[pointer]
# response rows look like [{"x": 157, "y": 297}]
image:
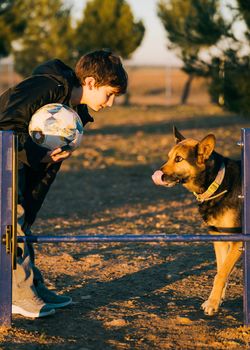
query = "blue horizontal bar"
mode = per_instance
[{"x": 135, "y": 238}]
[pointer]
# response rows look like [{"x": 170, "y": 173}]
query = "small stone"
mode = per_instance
[
  {"x": 116, "y": 323},
  {"x": 183, "y": 320}
]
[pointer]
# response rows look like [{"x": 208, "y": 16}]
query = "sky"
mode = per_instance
[{"x": 153, "y": 49}]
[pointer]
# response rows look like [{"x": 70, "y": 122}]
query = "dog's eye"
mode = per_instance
[{"x": 178, "y": 159}]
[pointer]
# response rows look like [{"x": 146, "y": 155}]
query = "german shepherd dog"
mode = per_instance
[{"x": 216, "y": 183}]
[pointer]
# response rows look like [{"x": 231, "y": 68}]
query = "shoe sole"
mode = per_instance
[
  {"x": 59, "y": 305},
  {"x": 18, "y": 310}
]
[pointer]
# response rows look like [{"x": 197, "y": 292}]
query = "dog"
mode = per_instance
[{"x": 215, "y": 181}]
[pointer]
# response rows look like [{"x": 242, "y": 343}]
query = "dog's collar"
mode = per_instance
[{"x": 207, "y": 195}]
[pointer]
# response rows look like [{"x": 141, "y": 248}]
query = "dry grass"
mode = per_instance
[
  {"x": 7, "y": 77},
  {"x": 163, "y": 86}
]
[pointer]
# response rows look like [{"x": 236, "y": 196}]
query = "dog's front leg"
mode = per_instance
[
  {"x": 211, "y": 305},
  {"x": 221, "y": 251}
]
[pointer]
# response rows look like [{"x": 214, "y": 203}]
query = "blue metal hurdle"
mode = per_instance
[{"x": 9, "y": 239}]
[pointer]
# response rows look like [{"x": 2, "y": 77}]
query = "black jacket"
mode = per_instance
[{"x": 51, "y": 82}]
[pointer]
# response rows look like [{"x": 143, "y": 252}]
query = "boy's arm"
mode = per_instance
[{"x": 17, "y": 108}]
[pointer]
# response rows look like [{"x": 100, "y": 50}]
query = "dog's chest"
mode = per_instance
[{"x": 221, "y": 218}]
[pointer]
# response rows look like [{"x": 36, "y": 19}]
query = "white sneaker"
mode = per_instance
[{"x": 33, "y": 308}]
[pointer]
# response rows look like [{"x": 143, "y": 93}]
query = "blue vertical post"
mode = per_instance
[
  {"x": 7, "y": 220},
  {"x": 245, "y": 137}
]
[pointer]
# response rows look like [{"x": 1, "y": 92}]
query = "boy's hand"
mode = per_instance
[{"x": 57, "y": 155}]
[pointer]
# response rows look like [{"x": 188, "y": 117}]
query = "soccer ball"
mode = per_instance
[{"x": 56, "y": 125}]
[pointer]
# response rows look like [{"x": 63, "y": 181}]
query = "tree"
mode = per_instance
[
  {"x": 5, "y": 5},
  {"x": 109, "y": 24},
  {"x": 230, "y": 80},
  {"x": 192, "y": 26},
  {"x": 48, "y": 34},
  {"x": 230, "y": 73},
  {"x": 244, "y": 10},
  {"x": 12, "y": 25}
]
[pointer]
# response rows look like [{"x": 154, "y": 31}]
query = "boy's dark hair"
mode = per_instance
[{"x": 105, "y": 67}]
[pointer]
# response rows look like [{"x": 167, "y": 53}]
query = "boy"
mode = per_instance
[{"x": 98, "y": 78}]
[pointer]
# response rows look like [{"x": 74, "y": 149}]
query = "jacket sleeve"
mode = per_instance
[
  {"x": 22, "y": 102},
  {"x": 29, "y": 152}
]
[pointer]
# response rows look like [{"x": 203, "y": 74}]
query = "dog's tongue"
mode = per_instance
[{"x": 157, "y": 177}]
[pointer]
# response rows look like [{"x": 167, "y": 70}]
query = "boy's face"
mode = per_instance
[{"x": 98, "y": 97}]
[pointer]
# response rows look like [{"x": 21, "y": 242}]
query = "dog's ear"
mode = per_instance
[
  {"x": 177, "y": 135},
  {"x": 205, "y": 148}
]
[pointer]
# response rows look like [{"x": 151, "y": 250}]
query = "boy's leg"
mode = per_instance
[
  {"x": 25, "y": 300},
  {"x": 48, "y": 296}
]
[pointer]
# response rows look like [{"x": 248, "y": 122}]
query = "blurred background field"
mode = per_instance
[
  {"x": 148, "y": 85},
  {"x": 8, "y": 76},
  {"x": 163, "y": 86},
  {"x": 203, "y": 38}
]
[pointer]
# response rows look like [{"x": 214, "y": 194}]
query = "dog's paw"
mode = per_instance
[{"x": 210, "y": 307}]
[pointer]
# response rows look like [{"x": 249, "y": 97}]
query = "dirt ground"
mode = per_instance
[{"x": 133, "y": 296}]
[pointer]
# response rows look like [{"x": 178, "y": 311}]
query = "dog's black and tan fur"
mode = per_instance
[{"x": 195, "y": 165}]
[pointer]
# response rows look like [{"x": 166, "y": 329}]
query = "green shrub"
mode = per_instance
[{"x": 230, "y": 82}]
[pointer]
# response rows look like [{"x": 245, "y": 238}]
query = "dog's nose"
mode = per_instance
[{"x": 157, "y": 177}]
